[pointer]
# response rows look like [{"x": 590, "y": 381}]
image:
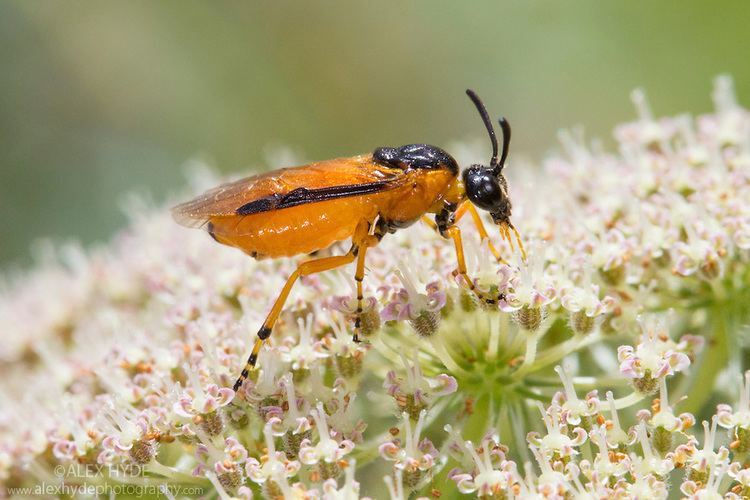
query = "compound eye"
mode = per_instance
[{"x": 482, "y": 188}]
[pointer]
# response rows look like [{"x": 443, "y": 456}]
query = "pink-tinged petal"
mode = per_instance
[
  {"x": 538, "y": 299},
  {"x": 273, "y": 412},
  {"x": 427, "y": 448},
  {"x": 183, "y": 408},
  {"x": 630, "y": 368},
  {"x": 277, "y": 426},
  {"x": 580, "y": 436},
  {"x": 389, "y": 451},
  {"x": 343, "y": 304},
  {"x": 692, "y": 343},
  {"x": 624, "y": 352},
  {"x": 106, "y": 457},
  {"x": 122, "y": 447},
  {"x": 437, "y": 301},
  {"x": 507, "y": 307},
  {"x": 345, "y": 447},
  {"x": 226, "y": 395},
  {"x": 663, "y": 370},
  {"x": 534, "y": 438},
  {"x": 506, "y": 274},
  {"x": 465, "y": 483},
  {"x": 308, "y": 455},
  {"x": 595, "y": 310},
  {"x": 292, "y": 468},
  {"x": 407, "y": 313},
  {"x": 391, "y": 312},
  {"x": 64, "y": 450},
  {"x": 685, "y": 266},
  {"x": 221, "y": 468},
  {"x": 109, "y": 443},
  {"x": 201, "y": 452},
  {"x": 678, "y": 361},
  {"x": 303, "y": 425},
  {"x": 426, "y": 463},
  {"x": 569, "y": 302},
  {"x": 725, "y": 416},
  {"x": 210, "y": 405},
  {"x": 643, "y": 415},
  {"x": 245, "y": 493}
]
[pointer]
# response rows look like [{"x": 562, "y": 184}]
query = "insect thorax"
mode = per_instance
[{"x": 415, "y": 156}]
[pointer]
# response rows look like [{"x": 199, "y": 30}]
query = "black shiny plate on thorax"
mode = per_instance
[{"x": 415, "y": 156}]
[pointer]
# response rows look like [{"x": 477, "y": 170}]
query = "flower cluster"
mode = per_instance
[{"x": 620, "y": 332}]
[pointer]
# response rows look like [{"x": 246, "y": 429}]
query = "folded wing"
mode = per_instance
[{"x": 289, "y": 187}]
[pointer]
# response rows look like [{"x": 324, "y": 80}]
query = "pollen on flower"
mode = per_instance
[{"x": 122, "y": 358}]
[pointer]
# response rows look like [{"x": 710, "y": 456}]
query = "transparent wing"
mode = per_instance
[{"x": 289, "y": 187}]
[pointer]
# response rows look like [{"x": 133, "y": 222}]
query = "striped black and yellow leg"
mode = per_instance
[
  {"x": 304, "y": 269},
  {"x": 454, "y": 233}
]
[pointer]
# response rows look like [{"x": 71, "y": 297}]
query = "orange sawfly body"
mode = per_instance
[{"x": 304, "y": 209}]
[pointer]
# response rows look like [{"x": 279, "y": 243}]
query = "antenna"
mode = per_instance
[
  {"x": 488, "y": 124},
  {"x": 505, "y": 127}
]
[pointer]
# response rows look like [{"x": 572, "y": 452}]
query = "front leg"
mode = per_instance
[
  {"x": 445, "y": 224},
  {"x": 454, "y": 233}
]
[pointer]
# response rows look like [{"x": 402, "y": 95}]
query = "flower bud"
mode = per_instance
[
  {"x": 328, "y": 470},
  {"x": 661, "y": 439},
  {"x": 646, "y": 385},
  {"x": 238, "y": 417},
  {"x": 142, "y": 452},
  {"x": 271, "y": 489},
  {"x": 349, "y": 365},
  {"x": 211, "y": 423},
  {"x": 582, "y": 323},
  {"x": 613, "y": 276},
  {"x": 529, "y": 318},
  {"x": 292, "y": 443},
  {"x": 426, "y": 323},
  {"x": 743, "y": 440},
  {"x": 369, "y": 322},
  {"x": 231, "y": 480},
  {"x": 467, "y": 300}
]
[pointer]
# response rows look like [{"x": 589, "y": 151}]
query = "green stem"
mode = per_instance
[
  {"x": 556, "y": 353},
  {"x": 713, "y": 361}
]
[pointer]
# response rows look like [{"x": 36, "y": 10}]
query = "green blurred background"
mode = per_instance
[{"x": 98, "y": 99}]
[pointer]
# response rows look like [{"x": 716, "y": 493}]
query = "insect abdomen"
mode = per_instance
[{"x": 297, "y": 230}]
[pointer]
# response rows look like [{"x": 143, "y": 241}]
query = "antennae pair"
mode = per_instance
[{"x": 497, "y": 166}]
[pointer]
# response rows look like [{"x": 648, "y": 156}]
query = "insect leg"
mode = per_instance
[
  {"x": 364, "y": 244},
  {"x": 454, "y": 233},
  {"x": 304, "y": 269},
  {"x": 467, "y": 206},
  {"x": 359, "y": 276},
  {"x": 367, "y": 234},
  {"x": 429, "y": 222}
]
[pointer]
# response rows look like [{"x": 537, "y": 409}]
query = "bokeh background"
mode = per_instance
[{"x": 98, "y": 99}]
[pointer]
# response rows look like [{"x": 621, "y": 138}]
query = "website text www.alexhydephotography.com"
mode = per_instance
[
  {"x": 89, "y": 480},
  {"x": 89, "y": 489}
]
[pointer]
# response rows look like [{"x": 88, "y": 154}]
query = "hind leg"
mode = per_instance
[
  {"x": 360, "y": 242},
  {"x": 304, "y": 269}
]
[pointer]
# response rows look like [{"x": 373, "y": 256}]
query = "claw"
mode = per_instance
[
  {"x": 505, "y": 228},
  {"x": 520, "y": 242}
]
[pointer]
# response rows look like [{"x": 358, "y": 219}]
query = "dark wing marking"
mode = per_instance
[
  {"x": 289, "y": 187},
  {"x": 302, "y": 195}
]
